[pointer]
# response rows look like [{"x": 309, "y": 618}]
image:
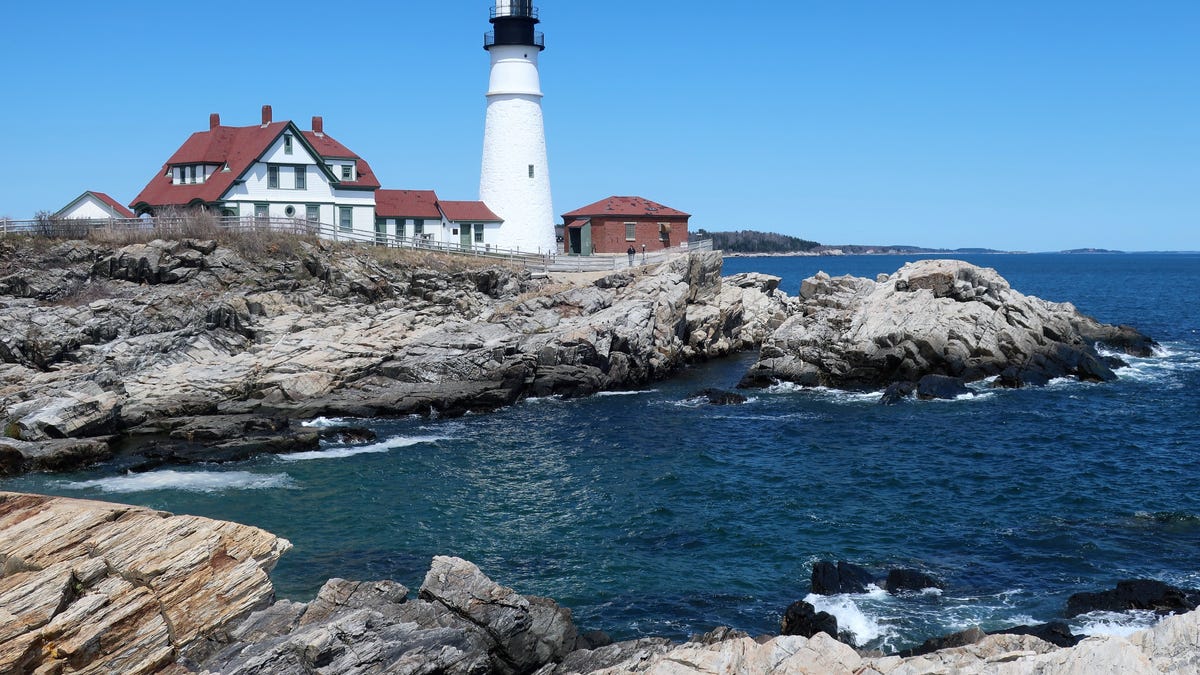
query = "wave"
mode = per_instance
[
  {"x": 187, "y": 481},
  {"x": 342, "y": 452},
  {"x": 625, "y": 393},
  {"x": 324, "y": 422},
  {"x": 1117, "y": 624},
  {"x": 850, "y": 617}
]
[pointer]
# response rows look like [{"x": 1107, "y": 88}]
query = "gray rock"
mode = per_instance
[{"x": 933, "y": 317}]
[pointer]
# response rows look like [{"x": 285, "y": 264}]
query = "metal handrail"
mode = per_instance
[
  {"x": 514, "y": 9},
  {"x": 539, "y": 39}
]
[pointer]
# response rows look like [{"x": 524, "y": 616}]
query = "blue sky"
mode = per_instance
[{"x": 1023, "y": 125}]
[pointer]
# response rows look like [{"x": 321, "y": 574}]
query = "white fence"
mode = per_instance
[{"x": 186, "y": 225}]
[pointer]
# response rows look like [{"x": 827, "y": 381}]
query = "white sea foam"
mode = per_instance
[
  {"x": 187, "y": 481},
  {"x": 344, "y": 451},
  {"x": 626, "y": 393},
  {"x": 324, "y": 422},
  {"x": 1118, "y": 624},
  {"x": 542, "y": 399},
  {"x": 850, "y": 617}
]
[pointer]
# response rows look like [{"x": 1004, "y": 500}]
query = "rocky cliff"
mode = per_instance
[
  {"x": 87, "y": 587},
  {"x": 134, "y": 343}
]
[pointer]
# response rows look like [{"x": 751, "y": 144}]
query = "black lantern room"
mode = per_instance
[{"x": 513, "y": 23}]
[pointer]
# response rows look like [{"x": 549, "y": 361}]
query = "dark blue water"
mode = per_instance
[{"x": 650, "y": 515}]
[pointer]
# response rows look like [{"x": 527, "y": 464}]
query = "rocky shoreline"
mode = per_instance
[
  {"x": 184, "y": 351},
  {"x": 177, "y": 352},
  {"x": 93, "y": 587}
]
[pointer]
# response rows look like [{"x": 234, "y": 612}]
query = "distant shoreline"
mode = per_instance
[{"x": 839, "y": 253}]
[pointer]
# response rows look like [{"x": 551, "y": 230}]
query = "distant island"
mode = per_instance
[{"x": 752, "y": 243}]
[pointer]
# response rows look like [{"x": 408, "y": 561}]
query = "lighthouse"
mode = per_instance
[{"x": 515, "y": 178}]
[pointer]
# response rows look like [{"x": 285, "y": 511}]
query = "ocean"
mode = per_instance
[{"x": 648, "y": 513}]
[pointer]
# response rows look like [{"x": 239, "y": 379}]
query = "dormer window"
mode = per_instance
[
  {"x": 347, "y": 172},
  {"x": 287, "y": 144}
]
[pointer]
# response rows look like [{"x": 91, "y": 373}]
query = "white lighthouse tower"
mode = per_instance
[{"x": 515, "y": 180}]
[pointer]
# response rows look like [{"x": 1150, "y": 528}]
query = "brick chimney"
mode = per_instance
[
  {"x": 214, "y": 120},
  {"x": 318, "y": 125},
  {"x": 266, "y": 115}
]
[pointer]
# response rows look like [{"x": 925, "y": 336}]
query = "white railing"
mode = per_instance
[{"x": 188, "y": 225}]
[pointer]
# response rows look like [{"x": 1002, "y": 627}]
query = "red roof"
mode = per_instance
[
  {"x": 237, "y": 148},
  {"x": 407, "y": 204},
  {"x": 578, "y": 222},
  {"x": 625, "y": 206},
  {"x": 116, "y": 206},
  {"x": 118, "y": 209},
  {"x": 327, "y": 147},
  {"x": 469, "y": 212}
]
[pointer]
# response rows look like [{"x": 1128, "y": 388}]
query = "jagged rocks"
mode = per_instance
[
  {"x": 933, "y": 317},
  {"x": 462, "y": 623},
  {"x": 96, "y": 587}
]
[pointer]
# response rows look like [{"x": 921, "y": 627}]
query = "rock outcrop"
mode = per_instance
[
  {"x": 139, "y": 340},
  {"x": 91, "y": 587},
  {"x": 934, "y": 317}
]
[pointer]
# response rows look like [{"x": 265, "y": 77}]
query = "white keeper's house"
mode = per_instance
[{"x": 277, "y": 170}]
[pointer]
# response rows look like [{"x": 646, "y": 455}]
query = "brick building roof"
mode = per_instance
[{"x": 625, "y": 206}]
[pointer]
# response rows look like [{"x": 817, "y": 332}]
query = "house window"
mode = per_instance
[
  {"x": 289, "y": 211},
  {"x": 479, "y": 233},
  {"x": 630, "y": 231},
  {"x": 531, "y": 171},
  {"x": 287, "y": 144},
  {"x": 347, "y": 172},
  {"x": 191, "y": 174},
  {"x": 345, "y": 218},
  {"x": 260, "y": 211},
  {"x": 400, "y": 227},
  {"x": 312, "y": 213},
  {"x": 301, "y": 177},
  {"x": 418, "y": 227},
  {"x": 272, "y": 177}
]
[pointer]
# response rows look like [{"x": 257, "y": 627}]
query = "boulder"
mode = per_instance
[
  {"x": 1144, "y": 594},
  {"x": 801, "y": 618},
  {"x": 718, "y": 397},
  {"x": 941, "y": 387},
  {"x": 897, "y": 392},
  {"x": 1057, "y": 633},
  {"x": 527, "y": 632},
  {"x": 831, "y": 579},
  {"x": 909, "y": 581},
  {"x": 960, "y": 639},
  {"x": 60, "y": 455}
]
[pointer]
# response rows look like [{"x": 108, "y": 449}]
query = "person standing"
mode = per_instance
[{"x": 632, "y": 254}]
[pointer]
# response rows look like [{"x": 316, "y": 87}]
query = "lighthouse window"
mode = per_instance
[{"x": 531, "y": 171}]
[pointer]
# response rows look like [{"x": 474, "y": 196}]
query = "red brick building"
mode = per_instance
[{"x": 613, "y": 225}]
